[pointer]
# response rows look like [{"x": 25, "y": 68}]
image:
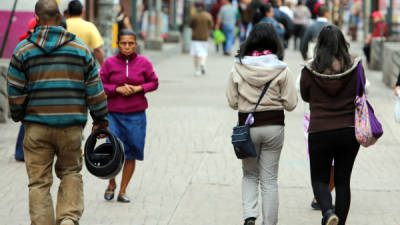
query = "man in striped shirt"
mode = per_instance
[{"x": 52, "y": 80}]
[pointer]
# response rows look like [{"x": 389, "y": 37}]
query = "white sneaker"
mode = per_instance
[{"x": 197, "y": 73}]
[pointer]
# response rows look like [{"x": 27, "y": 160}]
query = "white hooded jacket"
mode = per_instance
[{"x": 247, "y": 80}]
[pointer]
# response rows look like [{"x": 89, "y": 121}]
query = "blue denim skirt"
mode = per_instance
[{"x": 130, "y": 128}]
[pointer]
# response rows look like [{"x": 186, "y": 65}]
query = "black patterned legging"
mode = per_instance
[{"x": 342, "y": 146}]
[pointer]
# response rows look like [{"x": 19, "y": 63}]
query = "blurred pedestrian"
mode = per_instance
[
  {"x": 284, "y": 19},
  {"x": 301, "y": 19},
  {"x": 122, "y": 19},
  {"x": 259, "y": 62},
  {"x": 269, "y": 18},
  {"x": 337, "y": 15},
  {"x": 208, "y": 5},
  {"x": 215, "y": 8},
  {"x": 287, "y": 9},
  {"x": 355, "y": 16},
  {"x": 312, "y": 32},
  {"x": 19, "y": 150},
  {"x": 311, "y": 5},
  {"x": 127, "y": 77},
  {"x": 85, "y": 30},
  {"x": 328, "y": 84},
  {"x": 52, "y": 80},
  {"x": 380, "y": 30},
  {"x": 245, "y": 19},
  {"x": 31, "y": 28},
  {"x": 201, "y": 24},
  {"x": 306, "y": 125},
  {"x": 226, "y": 21}
]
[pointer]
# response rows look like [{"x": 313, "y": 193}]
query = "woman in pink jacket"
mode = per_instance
[{"x": 127, "y": 77}]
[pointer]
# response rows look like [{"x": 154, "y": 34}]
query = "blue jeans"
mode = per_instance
[
  {"x": 244, "y": 30},
  {"x": 229, "y": 32},
  {"x": 19, "y": 151}
]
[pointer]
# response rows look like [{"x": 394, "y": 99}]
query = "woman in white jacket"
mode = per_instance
[{"x": 258, "y": 62}]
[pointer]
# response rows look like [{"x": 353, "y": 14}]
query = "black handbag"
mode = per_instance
[{"x": 241, "y": 140}]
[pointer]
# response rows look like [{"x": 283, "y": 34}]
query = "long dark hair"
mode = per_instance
[
  {"x": 262, "y": 37},
  {"x": 331, "y": 45}
]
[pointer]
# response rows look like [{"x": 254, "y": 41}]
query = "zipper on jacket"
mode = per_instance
[{"x": 127, "y": 67}]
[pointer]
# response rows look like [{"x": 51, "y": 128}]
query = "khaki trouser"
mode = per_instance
[
  {"x": 41, "y": 144},
  {"x": 263, "y": 171}
]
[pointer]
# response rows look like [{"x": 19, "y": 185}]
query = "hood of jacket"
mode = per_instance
[
  {"x": 50, "y": 38},
  {"x": 332, "y": 83},
  {"x": 258, "y": 70}
]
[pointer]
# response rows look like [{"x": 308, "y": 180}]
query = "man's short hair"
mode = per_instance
[
  {"x": 47, "y": 10},
  {"x": 275, "y": 3},
  {"x": 75, "y": 8},
  {"x": 268, "y": 7},
  {"x": 200, "y": 4},
  {"x": 322, "y": 10}
]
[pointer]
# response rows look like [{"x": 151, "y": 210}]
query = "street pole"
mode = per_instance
[
  {"x": 154, "y": 40},
  {"x": 174, "y": 15},
  {"x": 150, "y": 11},
  {"x": 187, "y": 32},
  {"x": 158, "y": 18},
  {"x": 133, "y": 15},
  {"x": 134, "y": 24},
  {"x": 106, "y": 17},
  {"x": 389, "y": 16},
  {"x": 173, "y": 33}
]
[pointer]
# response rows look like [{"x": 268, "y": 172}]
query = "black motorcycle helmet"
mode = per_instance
[{"x": 106, "y": 160}]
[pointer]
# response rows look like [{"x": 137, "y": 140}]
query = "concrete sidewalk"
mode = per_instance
[{"x": 190, "y": 175}]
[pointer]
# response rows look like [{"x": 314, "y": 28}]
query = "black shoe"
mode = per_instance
[
  {"x": 315, "y": 205},
  {"x": 20, "y": 159},
  {"x": 203, "y": 69},
  {"x": 109, "y": 194},
  {"x": 250, "y": 221},
  {"x": 330, "y": 218},
  {"x": 123, "y": 198}
]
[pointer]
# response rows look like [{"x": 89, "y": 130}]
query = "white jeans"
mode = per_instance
[{"x": 263, "y": 170}]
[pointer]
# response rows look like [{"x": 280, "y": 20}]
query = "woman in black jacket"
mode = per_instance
[{"x": 328, "y": 83}]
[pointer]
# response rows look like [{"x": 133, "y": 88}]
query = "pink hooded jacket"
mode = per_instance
[{"x": 135, "y": 70}]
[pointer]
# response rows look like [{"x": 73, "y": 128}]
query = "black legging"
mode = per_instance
[
  {"x": 342, "y": 146},
  {"x": 367, "y": 51},
  {"x": 298, "y": 32}
]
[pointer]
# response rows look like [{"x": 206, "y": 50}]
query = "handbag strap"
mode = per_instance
[
  {"x": 360, "y": 80},
  {"x": 262, "y": 94}
]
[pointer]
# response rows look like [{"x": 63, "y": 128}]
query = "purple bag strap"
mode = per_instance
[{"x": 360, "y": 80}]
